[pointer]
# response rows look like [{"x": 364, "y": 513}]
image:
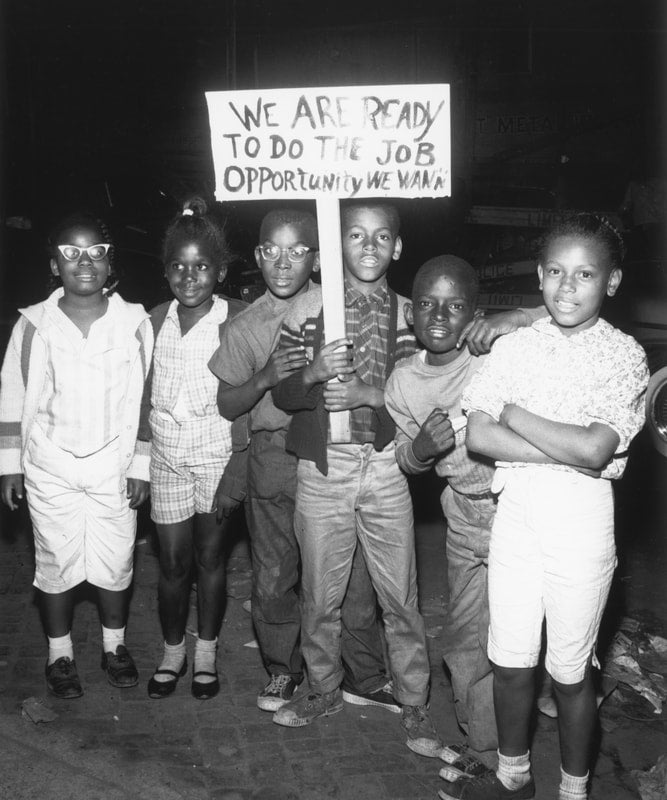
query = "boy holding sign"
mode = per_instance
[
  {"x": 249, "y": 364},
  {"x": 354, "y": 494}
]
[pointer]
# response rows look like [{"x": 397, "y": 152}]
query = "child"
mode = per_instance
[
  {"x": 249, "y": 364},
  {"x": 72, "y": 382},
  {"x": 191, "y": 446},
  {"x": 350, "y": 493},
  {"x": 423, "y": 395},
  {"x": 557, "y": 405}
]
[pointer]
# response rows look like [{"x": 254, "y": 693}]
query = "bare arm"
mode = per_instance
[
  {"x": 236, "y": 400},
  {"x": 489, "y": 438},
  {"x": 481, "y": 332},
  {"x": 590, "y": 446}
]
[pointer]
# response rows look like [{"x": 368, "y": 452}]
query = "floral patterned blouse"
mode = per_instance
[{"x": 597, "y": 375}]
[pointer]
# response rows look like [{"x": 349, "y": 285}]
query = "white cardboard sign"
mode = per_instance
[{"x": 345, "y": 142}]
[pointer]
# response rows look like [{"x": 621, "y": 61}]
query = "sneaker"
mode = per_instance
[
  {"x": 120, "y": 669},
  {"x": 422, "y": 736},
  {"x": 308, "y": 707},
  {"x": 485, "y": 787},
  {"x": 460, "y": 762},
  {"x": 382, "y": 698},
  {"x": 276, "y": 693},
  {"x": 62, "y": 679}
]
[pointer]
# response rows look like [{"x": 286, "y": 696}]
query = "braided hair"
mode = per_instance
[
  {"x": 590, "y": 226},
  {"x": 199, "y": 222},
  {"x": 82, "y": 219}
]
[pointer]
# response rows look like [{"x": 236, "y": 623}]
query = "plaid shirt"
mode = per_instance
[
  {"x": 367, "y": 325},
  {"x": 185, "y": 421}
]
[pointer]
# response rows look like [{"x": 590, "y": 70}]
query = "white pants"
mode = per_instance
[
  {"x": 83, "y": 525},
  {"x": 552, "y": 554}
]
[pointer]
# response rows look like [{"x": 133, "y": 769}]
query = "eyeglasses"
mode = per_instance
[
  {"x": 271, "y": 252},
  {"x": 96, "y": 252}
]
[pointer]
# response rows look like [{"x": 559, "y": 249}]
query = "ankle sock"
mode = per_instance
[
  {"x": 205, "y": 654},
  {"x": 174, "y": 656},
  {"x": 111, "y": 638},
  {"x": 59, "y": 647},
  {"x": 572, "y": 787},
  {"x": 513, "y": 771}
]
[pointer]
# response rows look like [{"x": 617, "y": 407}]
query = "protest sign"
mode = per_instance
[
  {"x": 350, "y": 141},
  {"x": 328, "y": 144}
]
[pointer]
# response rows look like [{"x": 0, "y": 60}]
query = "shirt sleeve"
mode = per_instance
[
  {"x": 12, "y": 396},
  {"x": 234, "y": 361},
  {"x": 489, "y": 389},
  {"x": 620, "y": 402},
  {"x": 407, "y": 428}
]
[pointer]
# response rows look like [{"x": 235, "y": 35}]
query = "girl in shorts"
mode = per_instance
[
  {"x": 192, "y": 444},
  {"x": 72, "y": 383},
  {"x": 556, "y": 405}
]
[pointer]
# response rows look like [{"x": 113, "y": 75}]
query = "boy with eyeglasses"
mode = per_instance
[{"x": 249, "y": 363}]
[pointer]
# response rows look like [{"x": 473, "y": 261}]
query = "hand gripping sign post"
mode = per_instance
[{"x": 328, "y": 144}]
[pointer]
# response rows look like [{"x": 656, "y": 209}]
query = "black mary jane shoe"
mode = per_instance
[
  {"x": 205, "y": 691},
  {"x": 159, "y": 689}
]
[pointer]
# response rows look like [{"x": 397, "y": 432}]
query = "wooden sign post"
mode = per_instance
[{"x": 328, "y": 144}]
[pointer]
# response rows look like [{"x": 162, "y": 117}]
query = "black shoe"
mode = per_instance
[
  {"x": 159, "y": 689},
  {"x": 62, "y": 679},
  {"x": 277, "y": 692},
  {"x": 120, "y": 669},
  {"x": 381, "y": 698},
  {"x": 207, "y": 690}
]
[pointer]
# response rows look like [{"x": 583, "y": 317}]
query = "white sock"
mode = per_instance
[
  {"x": 111, "y": 638},
  {"x": 173, "y": 659},
  {"x": 572, "y": 787},
  {"x": 59, "y": 647},
  {"x": 205, "y": 653},
  {"x": 513, "y": 771}
]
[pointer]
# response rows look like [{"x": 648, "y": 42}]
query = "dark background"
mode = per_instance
[{"x": 103, "y": 107}]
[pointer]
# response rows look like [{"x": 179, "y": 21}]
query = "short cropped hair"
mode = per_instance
[
  {"x": 303, "y": 221},
  {"x": 391, "y": 212},
  {"x": 453, "y": 266},
  {"x": 589, "y": 226}
]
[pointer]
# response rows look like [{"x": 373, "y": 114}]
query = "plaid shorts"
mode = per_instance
[{"x": 186, "y": 467}]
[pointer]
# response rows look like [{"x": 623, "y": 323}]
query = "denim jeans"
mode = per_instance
[
  {"x": 467, "y": 621},
  {"x": 276, "y": 574},
  {"x": 364, "y": 499}
]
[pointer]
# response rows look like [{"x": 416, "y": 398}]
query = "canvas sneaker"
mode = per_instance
[
  {"x": 382, "y": 698},
  {"x": 422, "y": 736},
  {"x": 460, "y": 762},
  {"x": 276, "y": 693},
  {"x": 303, "y": 710}
]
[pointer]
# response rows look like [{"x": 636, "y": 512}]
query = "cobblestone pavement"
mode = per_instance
[{"x": 120, "y": 745}]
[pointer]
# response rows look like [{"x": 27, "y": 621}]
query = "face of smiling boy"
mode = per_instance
[
  {"x": 369, "y": 246},
  {"x": 441, "y": 307},
  {"x": 575, "y": 278}
]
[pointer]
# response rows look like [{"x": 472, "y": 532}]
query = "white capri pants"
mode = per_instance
[
  {"x": 82, "y": 522},
  {"x": 552, "y": 554}
]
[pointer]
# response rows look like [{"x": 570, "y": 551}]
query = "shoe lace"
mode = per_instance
[{"x": 277, "y": 684}]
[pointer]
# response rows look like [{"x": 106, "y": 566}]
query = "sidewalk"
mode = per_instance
[{"x": 120, "y": 745}]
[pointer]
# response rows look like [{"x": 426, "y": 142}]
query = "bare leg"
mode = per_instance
[
  {"x": 113, "y": 607},
  {"x": 513, "y": 695},
  {"x": 175, "y": 578},
  {"x": 210, "y": 540},
  {"x": 577, "y": 713},
  {"x": 57, "y": 611}
]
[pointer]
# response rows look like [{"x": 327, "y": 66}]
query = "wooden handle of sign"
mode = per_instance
[{"x": 333, "y": 294}]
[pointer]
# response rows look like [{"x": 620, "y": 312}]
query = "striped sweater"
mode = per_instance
[{"x": 303, "y": 325}]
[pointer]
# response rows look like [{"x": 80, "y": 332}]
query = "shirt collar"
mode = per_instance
[
  {"x": 215, "y": 315},
  {"x": 378, "y": 297}
]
